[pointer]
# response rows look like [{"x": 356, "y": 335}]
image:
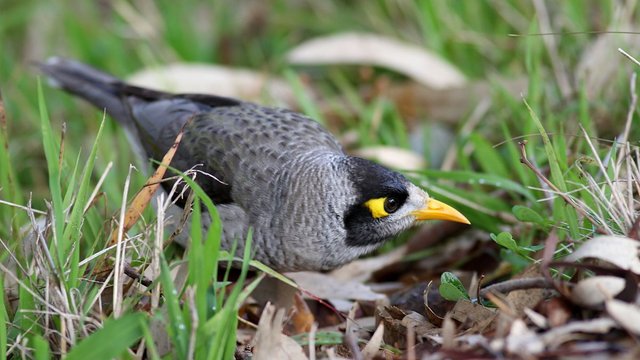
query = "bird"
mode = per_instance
[{"x": 310, "y": 206}]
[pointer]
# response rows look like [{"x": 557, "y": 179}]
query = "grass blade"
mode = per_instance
[
  {"x": 111, "y": 340},
  {"x": 177, "y": 326},
  {"x": 3, "y": 322},
  {"x": 51, "y": 151},
  {"x": 40, "y": 347},
  {"x": 73, "y": 230},
  {"x": 561, "y": 211},
  {"x": 474, "y": 178}
]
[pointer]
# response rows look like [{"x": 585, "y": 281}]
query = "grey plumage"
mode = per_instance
[{"x": 280, "y": 172}]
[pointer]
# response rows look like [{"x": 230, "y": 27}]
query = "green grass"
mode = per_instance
[{"x": 56, "y": 171}]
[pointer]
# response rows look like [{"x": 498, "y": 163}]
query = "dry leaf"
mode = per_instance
[
  {"x": 625, "y": 314},
  {"x": 562, "y": 334},
  {"x": 270, "y": 342},
  {"x": 276, "y": 292},
  {"x": 142, "y": 198},
  {"x": 393, "y": 157},
  {"x": 216, "y": 80},
  {"x": 395, "y": 329},
  {"x": 328, "y": 287},
  {"x": 536, "y": 318},
  {"x": 414, "y": 319},
  {"x": 617, "y": 250},
  {"x": 371, "y": 49},
  {"x": 371, "y": 349},
  {"x": 448, "y": 332},
  {"x": 139, "y": 203},
  {"x": 361, "y": 270},
  {"x": 522, "y": 299},
  {"x": 595, "y": 291},
  {"x": 418, "y": 329},
  {"x": 472, "y": 315},
  {"x": 522, "y": 340}
]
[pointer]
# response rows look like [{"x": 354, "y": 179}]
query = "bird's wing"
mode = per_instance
[
  {"x": 244, "y": 146},
  {"x": 241, "y": 144}
]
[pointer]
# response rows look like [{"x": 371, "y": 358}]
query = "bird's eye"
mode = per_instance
[{"x": 391, "y": 205}]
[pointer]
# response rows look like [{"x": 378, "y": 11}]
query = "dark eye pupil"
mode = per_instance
[{"x": 390, "y": 205}]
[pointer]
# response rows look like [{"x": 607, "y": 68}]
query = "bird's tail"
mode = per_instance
[{"x": 100, "y": 89}]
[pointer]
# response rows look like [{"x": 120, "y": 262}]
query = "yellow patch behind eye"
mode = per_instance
[{"x": 376, "y": 206}]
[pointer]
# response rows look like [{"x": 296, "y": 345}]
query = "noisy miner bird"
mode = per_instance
[{"x": 280, "y": 173}]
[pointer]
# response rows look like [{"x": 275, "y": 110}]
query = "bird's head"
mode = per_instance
[{"x": 387, "y": 204}]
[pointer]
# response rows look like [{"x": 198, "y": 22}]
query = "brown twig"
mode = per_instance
[
  {"x": 517, "y": 284},
  {"x": 133, "y": 273}
]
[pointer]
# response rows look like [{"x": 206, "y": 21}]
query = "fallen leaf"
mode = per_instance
[
  {"x": 370, "y": 49},
  {"x": 536, "y": 318},
  {"x": 522, "y": 299},
  {"x": 625, "y": 314},
  {"x": 143, "y": 197},
  {"x": 562, "y": 334},
  {"x": 418, "y": 327},
  {"x": 413, "y": 319},
  {"x": 393, "y": 157},
  {"x": 138, "y": 205},
  {"x": 522, "y": 340},
  {"x": 361, "y": 270},
  {"x": 472, "y": 315},
  {"x": 270, "y": 342},
  {"x": 216, "y": 80},
  {"x": 596, "y": 290},
  {"x": 373, "y": 346},
  {"x": 448, "y": 332},
  {"x": 327, "y": 287},
  {"x": 395, "y": 330},
  {"x": 276, "y": 292},
  {"x": 617, "y": 250}
]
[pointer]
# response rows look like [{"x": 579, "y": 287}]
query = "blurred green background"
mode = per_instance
[{"x": 485, "y": 40}]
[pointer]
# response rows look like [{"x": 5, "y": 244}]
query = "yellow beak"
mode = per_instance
[{"x": 437, "y": 210}]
